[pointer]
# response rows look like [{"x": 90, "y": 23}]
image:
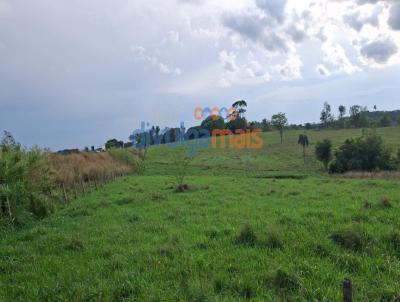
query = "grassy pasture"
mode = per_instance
[{"x": 255, "y": 225}]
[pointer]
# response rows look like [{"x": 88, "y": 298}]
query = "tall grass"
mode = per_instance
[
  {"x": 33, "y": 182},
  {"x": 26, "y": 183}
]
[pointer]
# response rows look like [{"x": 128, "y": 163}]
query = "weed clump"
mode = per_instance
[
  {"x": 286, "y": 282},
  {"x": 247, "y": 236},
  {"x": 385, "y": 203},
  {"x": 367, "y": 205},
  {"x": 321, "y": 250},
  {"x": 394, "y": 240},
  {"x": 74, "y": 244},
  {"x": 124, "y": 201},
  {"x": 352, "y": 239},
  {"x": 273, "y": 239}
]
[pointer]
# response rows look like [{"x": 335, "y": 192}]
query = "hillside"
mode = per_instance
[{"x": 255, "y": 225}]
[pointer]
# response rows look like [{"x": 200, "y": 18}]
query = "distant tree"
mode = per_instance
[
  {"x": 358, "y": 116},
  {"x": 213, "y": 122},
  {"x": 375, "y": 108},
  {"x": 303, "y": 140},
  {"x": 114, "y": 143},
  {"x": 266, "y": 125},
  {"x": 323, "y": 151},
  {"x": 355, "y": 113},
  {"x": 238, "y": 123},
  {"x": 92, "y": 148},
  {"x": 279, "y": 121},
  {"x": 240, "y": 107},
  {"x": 128, "y": 145},
  {"x": 86, "y": 149},
  {"x": 386, "y": 120},
  {"x": 342, "y": 113},
  {"x": 326, "y": 115}
]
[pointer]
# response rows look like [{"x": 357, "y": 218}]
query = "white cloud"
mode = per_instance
[
  {"x": 291, "y": 68},
  {"x": 227, "y": 61},
  {"x": 322, "y": 70},
  {"x": 141, "y": 54},
  {"x": 334, "y": 56}
]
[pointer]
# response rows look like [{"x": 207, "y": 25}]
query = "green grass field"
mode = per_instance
[{"x": 256, "y": 225}]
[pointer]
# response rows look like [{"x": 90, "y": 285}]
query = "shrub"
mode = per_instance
[
  {"x": 181, "y": 163},
  {"x": 367, "y": 153},
  {"x": 323, "y": 151}
]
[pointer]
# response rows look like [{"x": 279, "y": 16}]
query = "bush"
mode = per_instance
[
  {"x": 367, "y": 153},
  {"x": 323, "y": 151},
  {"x": 26, "y": 182}
]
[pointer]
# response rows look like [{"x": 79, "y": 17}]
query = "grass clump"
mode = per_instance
[
  {"x": 246, "y": 236},
  {"x": 285, "y": 282},
  {"x": 274, "y": 238},
  {"x": 74, "y": 244},
  {"x": 353, "y": 238},
  {"x": 394, "y": 240},
  {"x": 385, "y": 203}
]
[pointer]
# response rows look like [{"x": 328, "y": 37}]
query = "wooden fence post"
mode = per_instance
[{"x": 347, "y": 290}]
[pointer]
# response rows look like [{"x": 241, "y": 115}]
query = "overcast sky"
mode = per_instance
[{"x": 74, "y": 73}]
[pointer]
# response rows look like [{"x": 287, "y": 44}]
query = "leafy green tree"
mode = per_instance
[
  {"x": 323, "y": 152},
  {"x": 265, "y": 125},
  {"x": 358, "y": 116},
  {"x": 303, "y": 140},
  {"x": 114, "y": 143},
  {"x": 326, "y": 115},
  {"x": 238, "y": 123},
  {"x": 342, "y": 113},
  {"x": 240, "y": 108},
  {"x": 279, "y": 121},
  {"x": 213, "y": 122}
]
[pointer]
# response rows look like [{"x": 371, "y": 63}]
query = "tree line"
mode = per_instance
[{"x": 355, "y": 116}]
